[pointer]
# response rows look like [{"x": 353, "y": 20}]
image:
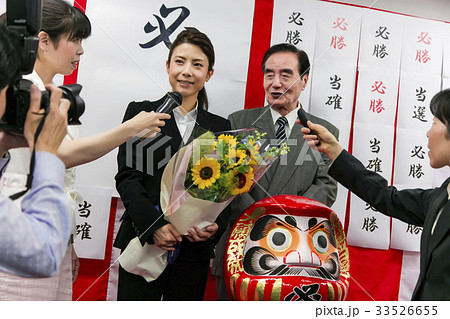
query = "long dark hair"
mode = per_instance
[
  {"x": 440, "y": 107},
  {"x": 201, "y": 40},
  {"x": 59, "y": 18}
]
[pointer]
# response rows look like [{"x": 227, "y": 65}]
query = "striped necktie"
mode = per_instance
[{"x": 281, "y": 132}]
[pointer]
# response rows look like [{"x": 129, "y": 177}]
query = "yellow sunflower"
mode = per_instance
[
  {"x": 236, "y": 157},
  {"x": 243, "y": 182},
  {"x": 205, "y": 172},
  {"x": 230, "y": 140},
  {"x": 251, "y": 151}
]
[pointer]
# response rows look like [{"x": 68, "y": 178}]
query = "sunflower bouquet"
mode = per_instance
[
  {"x": 204, "y": 176},
  {"x": 197, "y": 184}
]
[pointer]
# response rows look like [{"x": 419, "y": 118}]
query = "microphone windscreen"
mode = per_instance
[{"x": 173, "y": 100}]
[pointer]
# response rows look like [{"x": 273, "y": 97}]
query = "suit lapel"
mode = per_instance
[
  {"x": 287, "y": 164},
  {"x": 204, "y": 120},
  {"x": 264, "y": 123},
  {"x": 171, "y": 129},
  {"x": 441, "y": 229},
  {"x": 429, "y": 243},
  {"x": 443, "y": 223},
  {"x": 282, "y": 168}
]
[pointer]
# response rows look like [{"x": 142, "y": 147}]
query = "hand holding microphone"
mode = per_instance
[
  {"x": 147, "y": 124},
  {"x": 173, "y": 100},
  {"x": 304, "y": 118}
]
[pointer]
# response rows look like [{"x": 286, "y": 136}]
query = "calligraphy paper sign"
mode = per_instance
[
  {"x": 92, "y": 219},
  {"x": 367, "y": 227},
  {"x": 446, "y": 67},
  {"x": 381, "y": 40},
  {"x": 338, "y": 32},
  {"x": 422, "y": 46},
  {"x": 294, "y": 22}
]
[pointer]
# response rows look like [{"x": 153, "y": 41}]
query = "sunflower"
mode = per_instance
[
  {"x": 236, "y": 157},
  {"x": 244, "y": 181},
  {"x": 251, "y": 152},
  {"x": 205, "y": 172},
  {"x": 229, "y": 140}
]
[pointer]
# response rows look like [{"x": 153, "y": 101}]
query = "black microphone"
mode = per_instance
[
  {"x": 173, "y": 100},
  {"x": 304, "y": 118}
]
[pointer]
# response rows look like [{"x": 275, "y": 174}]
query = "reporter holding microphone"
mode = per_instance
[
  {"x": 33, "y": 240},
  {"x": 427, "y": 208}
]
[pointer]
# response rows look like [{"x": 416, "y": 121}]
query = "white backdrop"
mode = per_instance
[{"x": 116, "y": 70}]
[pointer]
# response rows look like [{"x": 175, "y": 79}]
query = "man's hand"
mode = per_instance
[{"x": 55, "y": 127}]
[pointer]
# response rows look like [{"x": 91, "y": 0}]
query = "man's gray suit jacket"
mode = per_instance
[{"x": 302, "y": 172}]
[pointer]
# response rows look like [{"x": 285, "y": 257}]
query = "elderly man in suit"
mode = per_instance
[{"x": 303, "y": 171}]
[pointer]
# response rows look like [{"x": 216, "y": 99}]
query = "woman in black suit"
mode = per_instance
[
  {"x": 189, "y": 65},
  {"x": 427, "y": 208}
]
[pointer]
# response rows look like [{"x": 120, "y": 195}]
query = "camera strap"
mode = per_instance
[{"x": 32, "y": 163}]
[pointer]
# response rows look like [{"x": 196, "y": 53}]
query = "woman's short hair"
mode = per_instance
[
  {"x": 440, "y": 107},
  {"x": 60, "y": 17}
]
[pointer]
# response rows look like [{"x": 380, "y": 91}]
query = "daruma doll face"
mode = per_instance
[
  {"x": 284, "y": 245},
  {"x": 287, "y": 248}
]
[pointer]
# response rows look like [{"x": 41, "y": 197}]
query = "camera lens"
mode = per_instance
[{"x": 18, "y": 101}]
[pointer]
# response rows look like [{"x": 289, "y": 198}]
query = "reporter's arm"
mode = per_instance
[
  {"x": 369, "y": 186},
  {"x": 89, "y": 148},
  {"x": 328, "y": 142},
  {"x": 33, "y": 241}
]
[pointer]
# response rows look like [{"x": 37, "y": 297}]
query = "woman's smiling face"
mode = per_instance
[{"x": 188, "y": 69}]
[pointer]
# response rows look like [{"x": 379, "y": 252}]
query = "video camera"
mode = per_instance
[{"x": 24, "y": 17}]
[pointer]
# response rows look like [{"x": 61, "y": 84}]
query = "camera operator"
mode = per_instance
[{"x": 34, "y": 239}]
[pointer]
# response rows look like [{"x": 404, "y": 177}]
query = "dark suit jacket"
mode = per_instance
[
  {"x": 302, "y": 172},
  {"x": 414, "y": 206},
  {"x": 141, "y": 163}
]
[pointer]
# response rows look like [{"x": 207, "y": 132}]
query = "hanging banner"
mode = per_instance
[
  {"x": 423, "y": 43},
  {"x": 294, "y": 22},
  {"x": 92, "y": 220},
  {"x": 125, "y": 60},
  {"x": 381, "y": 44}
]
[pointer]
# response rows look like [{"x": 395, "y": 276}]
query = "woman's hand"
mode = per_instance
[
  {"x": 196, "y": 234},
  {"x": 328, "y": 142},
  {"x": 147, "y": 124},
  {"x": 166, "y": 237}
]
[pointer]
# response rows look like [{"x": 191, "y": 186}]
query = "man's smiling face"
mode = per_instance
[{"x": 282, "y": 82}]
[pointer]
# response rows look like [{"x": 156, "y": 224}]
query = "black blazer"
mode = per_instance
[
  {"x": 141, "y": 163},
  {"x": 414, "y": 206}
]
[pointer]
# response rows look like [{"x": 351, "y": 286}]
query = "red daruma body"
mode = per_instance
[{"x": 287, "y": 248}]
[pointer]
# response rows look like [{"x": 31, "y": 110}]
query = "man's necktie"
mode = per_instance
[{"x": 281, "y": 132}]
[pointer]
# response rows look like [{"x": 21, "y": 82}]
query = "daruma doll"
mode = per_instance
[{"x": 287, "y": 248}]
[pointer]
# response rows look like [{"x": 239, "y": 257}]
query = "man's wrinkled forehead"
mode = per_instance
[{"x": 285, "y": 57}]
